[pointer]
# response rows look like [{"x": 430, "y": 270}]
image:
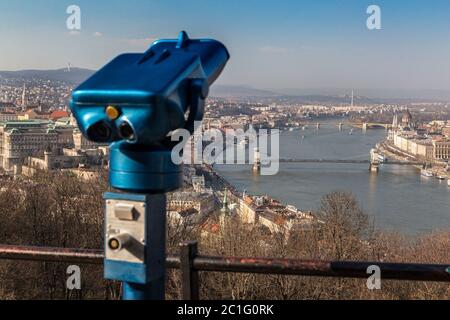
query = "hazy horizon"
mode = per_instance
[{"x": 372, "y": 93}]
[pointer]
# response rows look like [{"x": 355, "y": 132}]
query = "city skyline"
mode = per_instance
[{"x": 280, "y": 46}]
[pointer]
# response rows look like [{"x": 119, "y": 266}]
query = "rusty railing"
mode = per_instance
[{"x": 190, "y": 263}]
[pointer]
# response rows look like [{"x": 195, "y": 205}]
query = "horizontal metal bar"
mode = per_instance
[
  {"x": 173, "y": 262},
  {"x": 353, "y": 269},
  {"x": 67, "y": 255},
  {"x": 50, "y": 254},
  {"x": 398, "y": 271},
  {"x": 344, "y": 269}
]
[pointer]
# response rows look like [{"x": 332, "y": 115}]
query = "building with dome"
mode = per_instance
[
  {"x": 407, "y": 140},
  {"x": 407, "y": 120},
  {"x": 404, "y": 121}
]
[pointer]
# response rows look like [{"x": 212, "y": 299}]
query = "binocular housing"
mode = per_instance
[
  {"x": 140, "y": 98},
  {"x": 136, "y": 100}
]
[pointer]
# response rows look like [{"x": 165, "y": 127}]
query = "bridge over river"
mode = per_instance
[{"x": 405, "y": 163}]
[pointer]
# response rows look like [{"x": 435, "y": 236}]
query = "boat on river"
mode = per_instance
[
  {"x": 426, "y": 173},
  {"x": 382, "y": 158}
]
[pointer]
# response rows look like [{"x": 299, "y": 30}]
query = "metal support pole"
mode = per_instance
[
  {"x": 189, "y": 276},
  {"x": 135, "y": 244},
  {"x": 150, "y": 291},
  {"x": 155, "y": 254},
  {"x": 155, "y": 289}
]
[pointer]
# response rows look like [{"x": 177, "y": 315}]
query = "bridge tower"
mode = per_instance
[
  {"x": 318, "y": 126},
  {"x": 340, "y": 125},
  {"x": 364, "y": 126},
  {"x": 256, "y": 161},
  {"x": 374, "y": 165}
]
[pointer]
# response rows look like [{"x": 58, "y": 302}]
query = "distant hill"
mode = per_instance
[
  {"x": 327, "y": 99},
  {"x": 244, "y": 91},
  {"x": 75, "y": 76},
  {"x": 374, "y": 95},
  {"x": 239, "y": 91},
  {"x": 333, "y": 96},
  {"x": 319, "y": 96}
]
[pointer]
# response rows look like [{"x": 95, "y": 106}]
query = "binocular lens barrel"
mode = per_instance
[
  {"x": 102, "y": 132},
  {"x": 126, "y": 131},
  {"x": 99, "y": 132}
]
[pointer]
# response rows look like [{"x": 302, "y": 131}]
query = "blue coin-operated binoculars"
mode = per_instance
[{"x": 134, "y": 103}]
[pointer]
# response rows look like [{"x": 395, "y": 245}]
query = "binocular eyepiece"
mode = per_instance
[{"x": 141, "y": 98}]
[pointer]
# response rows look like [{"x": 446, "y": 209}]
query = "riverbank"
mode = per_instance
[
  {"x": 258, "y": 209},
  {"x": 391, "y": 152}
]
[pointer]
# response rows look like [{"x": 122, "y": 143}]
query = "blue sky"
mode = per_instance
[{"x": 273, "y": 44}]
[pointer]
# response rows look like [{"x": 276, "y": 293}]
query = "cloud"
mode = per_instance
[
  {"x": 97, "y": 34},
  {"x": 274, "y": 49}
]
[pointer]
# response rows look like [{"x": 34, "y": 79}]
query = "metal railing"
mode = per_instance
[{"x": 190, "y": 263}]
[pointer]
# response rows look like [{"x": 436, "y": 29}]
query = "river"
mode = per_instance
[{"x": 397, "y": 198}]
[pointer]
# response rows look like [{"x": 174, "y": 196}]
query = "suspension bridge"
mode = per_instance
[{"x": 391, "y": 162}]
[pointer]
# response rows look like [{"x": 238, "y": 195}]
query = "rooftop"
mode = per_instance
[{"x": 24, "y": 123}]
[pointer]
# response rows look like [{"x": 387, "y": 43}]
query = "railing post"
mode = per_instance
[{"x": 189, "y": 276}]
